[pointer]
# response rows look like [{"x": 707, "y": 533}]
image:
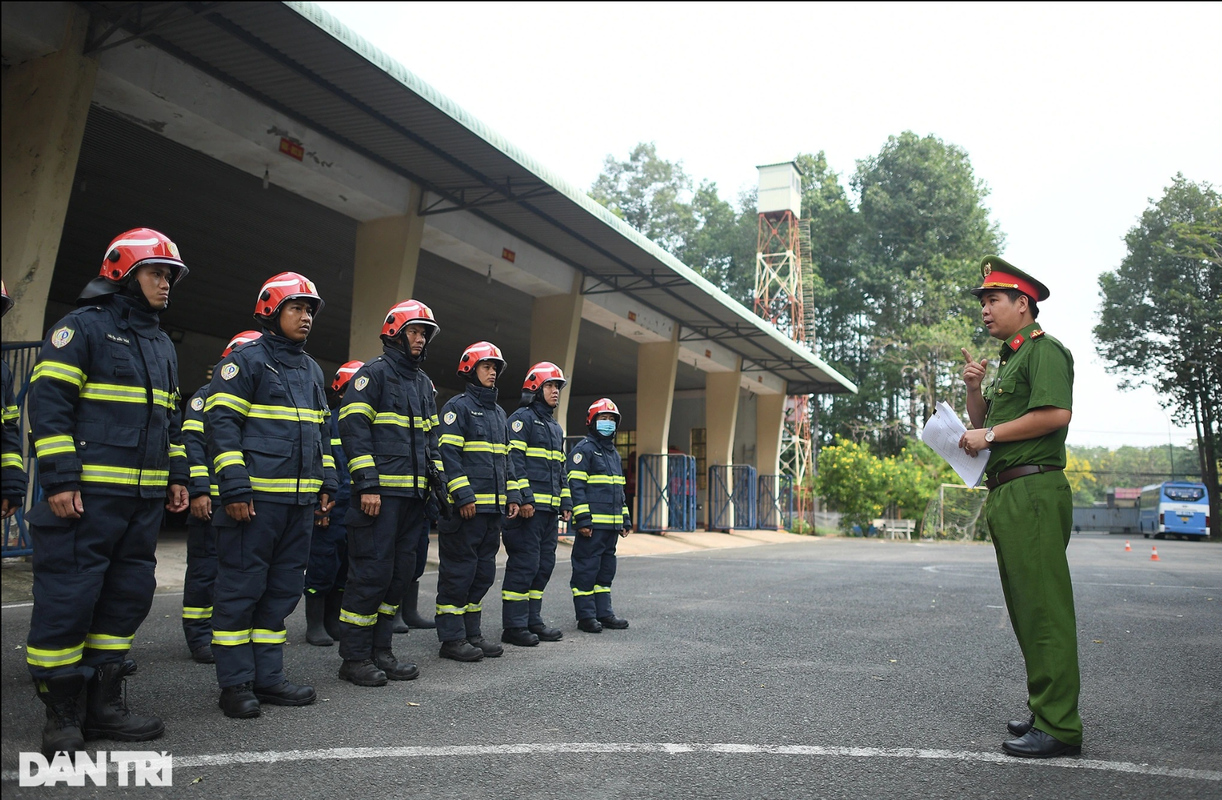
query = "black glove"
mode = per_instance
[{"x": 438, "y": 488}]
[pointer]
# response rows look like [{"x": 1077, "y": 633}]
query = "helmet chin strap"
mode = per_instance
[{"x": 132, "y": 288}]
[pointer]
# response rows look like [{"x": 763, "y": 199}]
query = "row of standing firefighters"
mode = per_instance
[{"x": 292, "y": 487}]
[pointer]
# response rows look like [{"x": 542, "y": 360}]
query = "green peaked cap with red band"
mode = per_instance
[{"x": 997, "y": 273}]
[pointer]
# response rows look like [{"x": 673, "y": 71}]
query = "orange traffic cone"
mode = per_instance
[
  {"x": 1154, "y": 554},
  {"x": 1127, "y": 547}
]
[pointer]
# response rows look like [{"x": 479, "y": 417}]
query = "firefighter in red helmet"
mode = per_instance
[
  {"x": 200, "y": 579},
  {"x": 536, "y": 447},
  {"x": 600, "y": 515},
  {"x": 474, "y": 448},
  {"x": 266, "y": 420},
  {"x": 104, "y": 419},
  {"x": 388, "y": 424}
]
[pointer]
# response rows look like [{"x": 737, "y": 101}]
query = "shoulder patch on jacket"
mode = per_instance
[
  {"x": 198, "y": 404},
  {"x": 361, "y": 383},
  {"x": 576, "y": 458},
  {"x": 517, "y": 425},
  {"x": 450, "y": 417},
  {"x": 61, "y": 337},
  {"x": 228, "y": 371}
]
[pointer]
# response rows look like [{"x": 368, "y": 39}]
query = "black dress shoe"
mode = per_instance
[
  {"x": 395, "y": 669},
  {"x": 461, "y": 650},
  {"x": 1037, "y": 744},
  {"x": 590, "y": 625},
  {"x": 490, "y": 649},
  {"x": 239, "y": 702},
  {"x": 362, "y": 673},
  {"x": 547, "y": 634},
  {"x": 286, "y": 694},
  {"x": 613, "y": 622},
  {"x": 203, "y": 654},
  {"x": 519, "y": 636},
  {"x": 1019, "y": 727}
]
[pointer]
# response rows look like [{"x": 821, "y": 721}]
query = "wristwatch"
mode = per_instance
[{"x": 989, "y": 435}]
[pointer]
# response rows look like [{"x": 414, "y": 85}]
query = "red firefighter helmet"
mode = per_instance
[
  {"x": 480, "y": 351},
  {"x": 141, "y": 246},
  {"x": 603, "y": 406},
  {"x": 407, "y": 312},
  {"x": 284, "y": 287},
  {"x": 240, "y": 339},
  {"x": 6, "y": 302},
  {"x": 540, "y": 374},
  {"x": 344, "y": 374}
]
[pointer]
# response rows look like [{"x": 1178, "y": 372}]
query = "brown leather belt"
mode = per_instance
[{"x": 1018, "y": 472}]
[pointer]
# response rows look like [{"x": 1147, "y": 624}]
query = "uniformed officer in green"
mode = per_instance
[{"x": 1023, "y": 416}]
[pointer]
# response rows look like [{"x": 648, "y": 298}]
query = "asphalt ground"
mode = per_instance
[{"x": 838, "y": 668}]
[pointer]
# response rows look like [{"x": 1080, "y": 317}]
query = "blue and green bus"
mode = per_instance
[{"x": 1174, "y": 508}]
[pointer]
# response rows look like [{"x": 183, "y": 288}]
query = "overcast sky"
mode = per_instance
[{"x": 1074, "y": 115}]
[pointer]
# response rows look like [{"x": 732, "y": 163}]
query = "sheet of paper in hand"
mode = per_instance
[{"x": 942, "y": 432}]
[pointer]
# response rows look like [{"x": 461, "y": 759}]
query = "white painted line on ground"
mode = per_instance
[{"x": 561, "y": 748}]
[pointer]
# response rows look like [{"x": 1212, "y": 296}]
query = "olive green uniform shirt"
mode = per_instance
[{"x": 1035, "y": 371}]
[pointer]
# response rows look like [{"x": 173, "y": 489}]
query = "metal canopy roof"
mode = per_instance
[{"x": 297, "y": 59}]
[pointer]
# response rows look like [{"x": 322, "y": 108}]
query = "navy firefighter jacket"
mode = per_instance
[
  {"x": 266, "y": 419},
  {"x": 104, "y": 403},
  {"x": 536, "y": 448},
  {"x": 388, "y": 424},
  {"x": 475, "y": 450},
  {"x": 596, "y": 479}
]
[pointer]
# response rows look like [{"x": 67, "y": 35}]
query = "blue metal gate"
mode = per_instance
[
  {"x": 20, "y": 357},
  {"x": 665, "y": 493},
  {"x": 732, "y": 502},
  {"x": 775, "y": 502}
]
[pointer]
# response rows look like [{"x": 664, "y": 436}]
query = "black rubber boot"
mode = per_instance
[
  {"x": 285, "y": 694},
  {"x": 316, "y": 629},
  {"x": 519, "y": 636},
  {"x": 203, "y": 654},
  {"x": 408, "y": 611},
  {"x": 239, "y": 702},
  {"x": 546, "y": 634},
  {"x": 613, "y": 622},
  {"x": 399, "y": 625},
  {"x": 330, "y": 616},
  {"x": 395, "y": 669},
  {"x": 106, "y": 712},
  {"x": 461, "y": 650},
  {"x": 362, "y": 673},
  {"x": 62, "y": 696}
]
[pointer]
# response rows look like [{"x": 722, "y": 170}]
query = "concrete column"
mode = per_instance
[
  {"x": 656, "y": 366},
  {"x": 387, "y": 253},
  {"x": 554, "y": 323},
  {"x": 45, "y": 104},
  {"x": 721, "y": 412},
  {"x": 769, "y": 425}
]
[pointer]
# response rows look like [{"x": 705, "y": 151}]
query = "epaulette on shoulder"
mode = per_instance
[{"x": 1037, "y": 333}]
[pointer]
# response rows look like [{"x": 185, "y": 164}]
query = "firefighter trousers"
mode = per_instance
[
  {"x": 93, "y": 582},
  {"x": 200, "y": 582},
  {"x": 381, "y": 558},
  {"x": 466, "y": 571},
  {"x": 260, "y": 575},
  {"x": 531, "y": 546},
  {"x": 593, "y": 571},
  {"x": 328, "y": 565}
]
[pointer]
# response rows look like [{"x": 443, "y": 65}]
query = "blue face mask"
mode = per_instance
[{"x": 605, "y": 427}]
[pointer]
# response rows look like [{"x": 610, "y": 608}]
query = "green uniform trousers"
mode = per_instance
[{"x": 1030, "y": 520}]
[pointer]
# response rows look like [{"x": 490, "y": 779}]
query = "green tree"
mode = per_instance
[
  {"x": 1161, "y": 318},
  {"x": 853, "y": 481}
]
